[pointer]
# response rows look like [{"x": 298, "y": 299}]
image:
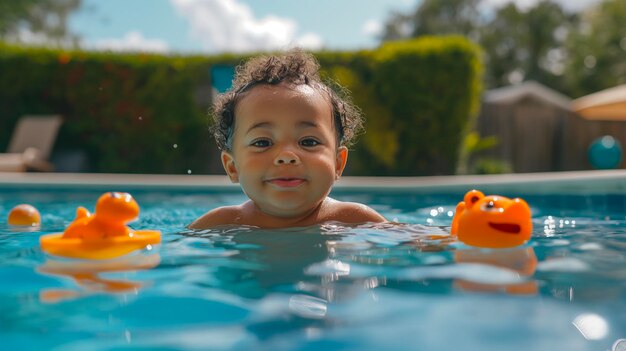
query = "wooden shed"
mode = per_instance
[
  {"x": 529, "y": 121},
  {"x": 541, "y": 130}
]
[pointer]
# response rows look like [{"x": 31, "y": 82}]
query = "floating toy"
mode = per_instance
[
  {"x": 24, "y": 215},
  {"x": 491, "y": 221},
  {"x": 103, "y": 234}
]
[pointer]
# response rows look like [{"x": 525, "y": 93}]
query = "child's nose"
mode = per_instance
[{"x": 286, "y": 157}]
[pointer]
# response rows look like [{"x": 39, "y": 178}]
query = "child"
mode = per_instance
[{"x": 284, "y": 135}]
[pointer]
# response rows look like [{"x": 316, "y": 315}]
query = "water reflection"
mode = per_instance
[
  {"x": 335, "y": 262},
  {"x": 265, "y": 261},
  {"x": 520, "y": 262},
  {"x": 591, "y": 326},
  {"x": 89, "y": 275},
  {"x": 317, "y": 279},
  {"x": 308, "y": 307}
]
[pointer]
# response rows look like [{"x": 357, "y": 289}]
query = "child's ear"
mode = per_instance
[
  {"x": 229, "y": 166},
  {"x": 342, "y": 158}
]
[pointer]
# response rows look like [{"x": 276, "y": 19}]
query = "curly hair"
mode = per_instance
[{"x": 294, "y": 67}]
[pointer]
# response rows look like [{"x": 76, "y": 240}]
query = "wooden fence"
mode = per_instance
[{"x": 535, "y": 136}]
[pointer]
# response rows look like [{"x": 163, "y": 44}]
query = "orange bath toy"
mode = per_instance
[
  {"x": 103, "y": 234},
  {"x": 491, "y": 221},
  {"x": 24, "y": 216}
]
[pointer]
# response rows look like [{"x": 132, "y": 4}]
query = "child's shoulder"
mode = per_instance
[
  {"x": 351, "y": 212},
  {"x": 218, "y": 216}
]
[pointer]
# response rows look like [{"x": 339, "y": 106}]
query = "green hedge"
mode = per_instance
[
  {"x": 419, "y": 98},
  {"x": 127, "y": 111}
]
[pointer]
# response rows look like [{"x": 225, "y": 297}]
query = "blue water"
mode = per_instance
[{"x": 329, "y": 287}]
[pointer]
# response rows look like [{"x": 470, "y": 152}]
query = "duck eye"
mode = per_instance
[{"x": 489, "y": 206}]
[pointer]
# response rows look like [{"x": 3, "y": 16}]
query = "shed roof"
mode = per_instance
[
  {"x": 608, "y": 104},
  {"x": 514, "y": 93}
]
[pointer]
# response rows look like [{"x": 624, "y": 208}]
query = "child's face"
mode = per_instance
[{"x": 284, "y": 149}]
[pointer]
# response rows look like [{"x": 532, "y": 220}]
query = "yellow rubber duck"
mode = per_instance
[
  {"x": 103, "y": 234},
  {"x": 491, "y": 221}
]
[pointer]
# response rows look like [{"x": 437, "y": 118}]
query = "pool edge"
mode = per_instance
[{"x": 576, "y": 180}]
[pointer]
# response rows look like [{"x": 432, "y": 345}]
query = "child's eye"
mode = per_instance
[
  {"x": 309, "y": 142},
  {"x": 261, "y": 143}
]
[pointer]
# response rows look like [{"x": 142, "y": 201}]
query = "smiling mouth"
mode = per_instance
[
  {"x": 506, "y": 227},
  {"x": 286, "y": 182}
]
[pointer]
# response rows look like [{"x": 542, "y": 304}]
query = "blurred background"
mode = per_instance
[{"x": 446, "y": 86}]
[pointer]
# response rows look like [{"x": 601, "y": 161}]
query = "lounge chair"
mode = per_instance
[{"x": 31, "y": 144}]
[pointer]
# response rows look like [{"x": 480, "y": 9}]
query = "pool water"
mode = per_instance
[{"x": 328, "y": 287}]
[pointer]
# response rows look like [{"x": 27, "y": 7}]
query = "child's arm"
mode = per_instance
[{"x": 218, "y": 216}]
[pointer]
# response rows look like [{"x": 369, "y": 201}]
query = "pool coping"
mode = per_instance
[{"x": 571, "y": 181}]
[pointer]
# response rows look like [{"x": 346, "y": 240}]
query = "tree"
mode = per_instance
[
  {"x": 435, "y": 17},
  {"x": 398, "y": 26},
  {"x": 502, "y": 42},
  {"x": 446, "y": 17},
  {"x": 41, "y": 17},
  {"x": 597, "y": 49},
  {"x": 526, "y": 45},
  {"x": 519, "y": 45}
]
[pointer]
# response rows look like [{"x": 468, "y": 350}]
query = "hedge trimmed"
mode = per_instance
[
  {"x": 419, "y": 97},
  {"x": 138, "y": 113}
]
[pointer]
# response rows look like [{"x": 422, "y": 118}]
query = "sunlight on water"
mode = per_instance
[{"x": 399, "y": 286}]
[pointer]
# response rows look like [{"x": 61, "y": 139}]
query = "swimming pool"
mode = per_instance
[{"x": 330, "y": 287}]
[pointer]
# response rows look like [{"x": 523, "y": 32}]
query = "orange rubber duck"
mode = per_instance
[
  {"x": 491, "y": 221},
  {"x": 103, "y": 234}
]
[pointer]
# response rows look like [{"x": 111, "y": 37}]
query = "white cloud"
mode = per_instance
[
  {"x": 372, "y": 28},
  {"x": 132, "y": 41},
  {"x": 229, "y": 26},
  {"x": 26, "y": 37},
  {"x": 310, "y": 41}
]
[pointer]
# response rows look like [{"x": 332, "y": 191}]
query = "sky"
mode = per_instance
[{"x": 218, "y": 26}]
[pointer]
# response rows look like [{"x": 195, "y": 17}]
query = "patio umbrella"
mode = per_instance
[{"x": 608, "y": 104}]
